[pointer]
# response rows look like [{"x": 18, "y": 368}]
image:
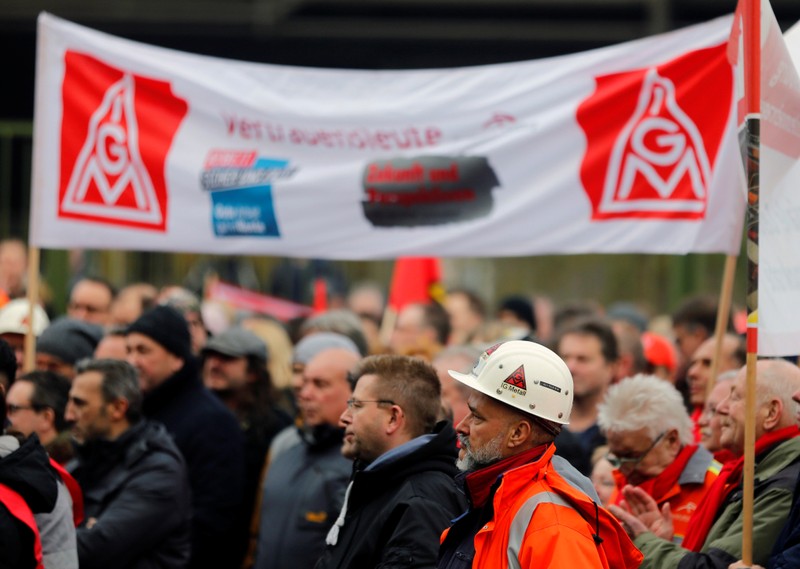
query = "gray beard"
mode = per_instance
[{"x": 475, "y": 459}]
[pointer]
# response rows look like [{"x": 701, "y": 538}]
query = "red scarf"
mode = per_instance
[
  {"x": 696, "y": 415},
  {"x": 480, "y": 482},
  {"x": 728, "y": 479},
  {"x": 658, "y": 486},
  {"x": 724, "y": 456}
]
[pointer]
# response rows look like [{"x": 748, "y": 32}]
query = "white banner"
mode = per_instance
[
  {"x": 630, "y": 148},
  {"x": 779, "y": 227}
]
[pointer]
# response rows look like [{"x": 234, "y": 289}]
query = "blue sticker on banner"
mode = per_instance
[
  {"x": 244, "y": 211},
  {"x": 240, "y": 185}
]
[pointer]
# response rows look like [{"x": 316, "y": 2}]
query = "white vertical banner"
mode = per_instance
[{"x": 779, "y": 224}]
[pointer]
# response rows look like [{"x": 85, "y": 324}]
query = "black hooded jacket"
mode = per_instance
[
  {"x": 397, "y": 509},
  {"x": 27, "y": 471}
]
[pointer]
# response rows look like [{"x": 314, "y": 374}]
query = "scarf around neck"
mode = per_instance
[{"x": 729, "y": 478}]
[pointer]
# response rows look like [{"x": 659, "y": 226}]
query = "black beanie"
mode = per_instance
[
  {"x": 166, "y": 326},
  {"x": 522, "y": 308},
  {"x": 69, "y": 340}
]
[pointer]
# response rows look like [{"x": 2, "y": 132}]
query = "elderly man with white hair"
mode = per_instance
[
  {"x": 714, "y": 536},
  {"x": 651, "y": 446}
]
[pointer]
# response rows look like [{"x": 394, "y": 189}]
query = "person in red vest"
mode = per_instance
[
  {"x": 36, "y": 404},
  {"x": 27, "y": 487},
  {"x": 527, "y": 508},
  {"x": 651, "y": 446},
  {"x": 714, "y": 535}
]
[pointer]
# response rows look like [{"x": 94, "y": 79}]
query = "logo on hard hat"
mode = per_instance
[{"x": 516, "y": 381}]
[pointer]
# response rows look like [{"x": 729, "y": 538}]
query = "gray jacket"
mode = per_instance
[
  {"x": 302, "y": 494},
  {"x": 57, "y": 530}
]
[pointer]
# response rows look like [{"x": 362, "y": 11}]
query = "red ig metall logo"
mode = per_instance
[
  {"x": 653, "y": 136},
  {"x": 116, "y": 131}
]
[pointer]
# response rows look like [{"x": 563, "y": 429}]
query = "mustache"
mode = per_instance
[{"x": 464, "y": 442}]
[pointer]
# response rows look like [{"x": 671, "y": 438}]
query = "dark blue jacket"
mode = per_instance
[
  {"x": 786, "y": 553},
  {"x": 212, "y": 444}
]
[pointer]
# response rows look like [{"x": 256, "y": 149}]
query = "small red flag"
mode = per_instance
[{"x": 415, "y": 279}]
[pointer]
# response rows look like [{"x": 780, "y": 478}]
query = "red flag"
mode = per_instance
[
  {"x": 279, "y": 308},
  {"x": 415, "y": 279},
  {"x": 320, "y": 295}
]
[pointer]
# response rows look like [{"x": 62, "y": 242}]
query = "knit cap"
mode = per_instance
[
  {"x": 69, "y": 340},
  {"x": 167, "y": 327}
]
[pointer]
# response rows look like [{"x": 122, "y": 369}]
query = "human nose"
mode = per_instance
[
  {"x": 463, "y": 426},
  {"x": 724, "y": 406},
  {"x": 345, "y": 418},
  {"x": 69, "y": 413}
]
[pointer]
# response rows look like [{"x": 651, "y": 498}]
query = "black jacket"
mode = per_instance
[
  {"x": 26, "y": 471},
  {"x": 397, "y": 510},
  {"x": 212, "y": 444},
  {"x": 136, "y": 499}
]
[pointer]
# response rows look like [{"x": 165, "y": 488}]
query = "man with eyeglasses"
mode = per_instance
[
  {"x": 304, "y": 485},
  {"x": 714, "y": 535},
  {"x": 402, "y": 494},
  {"x": 36, "y": 403},
  {"x": 651, "y": 446}
]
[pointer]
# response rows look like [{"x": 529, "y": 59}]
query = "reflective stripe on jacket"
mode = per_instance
[{"x": 542, "y": 520}]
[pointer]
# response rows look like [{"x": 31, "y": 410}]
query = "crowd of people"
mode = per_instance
[{"x": 463, "y": 436}]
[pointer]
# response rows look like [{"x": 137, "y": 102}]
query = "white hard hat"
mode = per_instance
[
  {"x": 15, "y": 316},
  {"x": 525, "y": 375}
]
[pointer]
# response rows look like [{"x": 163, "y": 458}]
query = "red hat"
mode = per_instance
[{"x": 659, "y": 351}]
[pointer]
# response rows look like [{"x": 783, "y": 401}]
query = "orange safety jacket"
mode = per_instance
[
  {"x": 540, "y": 519},
  {"x": 18, "y": 508},
  {"x": 684, "y": 493}
]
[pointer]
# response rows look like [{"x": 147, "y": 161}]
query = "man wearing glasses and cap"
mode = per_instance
[
  {"x": 651, "y": 446},
  {"x": 528, "y": 508}
]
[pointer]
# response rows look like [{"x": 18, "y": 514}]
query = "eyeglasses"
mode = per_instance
[
  {"x": 617, "y": 462},
  {"x": 358, "y": 404},
  {"x": 14, "y": 408}
]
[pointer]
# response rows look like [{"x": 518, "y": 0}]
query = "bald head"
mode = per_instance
[
  {"x": 325, "y": 386},
  {"x": 777, "y": 382}
]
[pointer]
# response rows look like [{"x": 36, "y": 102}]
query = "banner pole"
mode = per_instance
[
  {"x": 723, "y": 314},
  {"x": 751, "y": 29},
  {"x": 29, "y": 361}
]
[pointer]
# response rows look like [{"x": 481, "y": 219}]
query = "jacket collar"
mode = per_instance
[{"x": 480, "y": 484}]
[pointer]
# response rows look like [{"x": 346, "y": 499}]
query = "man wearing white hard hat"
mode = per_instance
[
  {"x": 14, "y": 321},
  {"x": 528, "y": 508}
]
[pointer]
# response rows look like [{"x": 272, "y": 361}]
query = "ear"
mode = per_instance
[
  {"x": 519, "y": 432},
  {"x": 177, "y": 364},
  {"x": 772, "y": 414},
  {"x": 49, "y": 416},
  {"x": 673, "y": 439},
  {"x": 118, "y": 408},
  {"x": 396, "y": 420}
]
